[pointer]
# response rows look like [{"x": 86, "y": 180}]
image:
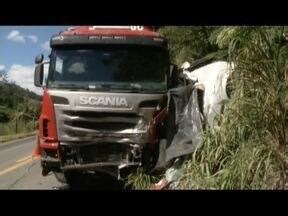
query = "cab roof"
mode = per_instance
[{"x": 146, "y": 31}]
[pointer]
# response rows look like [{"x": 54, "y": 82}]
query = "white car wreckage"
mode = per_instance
[{"x": 192, "y": 107}]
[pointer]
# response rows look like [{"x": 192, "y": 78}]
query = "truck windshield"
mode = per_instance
[{"x": 119, "y": 68}]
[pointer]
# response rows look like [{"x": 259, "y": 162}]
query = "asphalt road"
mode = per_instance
[{"x": 19, "y": 171}]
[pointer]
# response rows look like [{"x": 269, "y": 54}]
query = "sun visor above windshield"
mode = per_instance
[{"x": 61, "y": 40}]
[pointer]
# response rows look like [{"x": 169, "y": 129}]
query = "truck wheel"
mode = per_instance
[
  {"x": 70, "y": 178},
  {"x": 74, "y": 178}
]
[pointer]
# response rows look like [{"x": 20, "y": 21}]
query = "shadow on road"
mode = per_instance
[{"x": 92, "y": 182}]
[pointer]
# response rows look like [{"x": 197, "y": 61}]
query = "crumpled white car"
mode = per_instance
[{"x": 213, "y": 77}]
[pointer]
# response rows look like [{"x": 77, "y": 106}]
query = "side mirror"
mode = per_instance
[
  {"x": 38, "y": 75},
  {"x": 39, "y": 59}
]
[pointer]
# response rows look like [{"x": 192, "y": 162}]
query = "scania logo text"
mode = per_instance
[{"x": 104, "y": 101}]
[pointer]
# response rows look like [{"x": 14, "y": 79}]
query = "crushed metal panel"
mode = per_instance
[{"x": 185, "y": 125}]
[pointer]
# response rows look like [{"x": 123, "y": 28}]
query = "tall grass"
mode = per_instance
[
  {"x": 141, "y": 180},
  {"x": 249, "y": 150},
  {"x": 11, "y": 127}
]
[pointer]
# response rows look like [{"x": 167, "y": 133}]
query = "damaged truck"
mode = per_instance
[{"x": 105, "y": 102}]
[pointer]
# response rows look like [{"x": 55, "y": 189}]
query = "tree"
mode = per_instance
[
  {"x": 3, "y": 75},
  {"x": 188, "y": 43}
]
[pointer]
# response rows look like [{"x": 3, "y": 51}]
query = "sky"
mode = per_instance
[{"x": 18, "y": 47}]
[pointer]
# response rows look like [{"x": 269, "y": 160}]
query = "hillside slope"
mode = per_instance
[{"x": 19, "y": 109}]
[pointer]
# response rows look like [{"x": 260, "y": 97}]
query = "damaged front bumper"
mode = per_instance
[{"x": 109, "y": 158}]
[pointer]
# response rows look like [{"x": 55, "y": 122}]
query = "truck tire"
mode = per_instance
[
  {"x": 75, "y": 178},
  {"x": 71, "y": 178}
]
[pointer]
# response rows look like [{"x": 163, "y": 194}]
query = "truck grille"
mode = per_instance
[
  {"x": 100, "y": 126},
  {"x": 91, "y": 114},
  {"x": 89, "y": 124}
]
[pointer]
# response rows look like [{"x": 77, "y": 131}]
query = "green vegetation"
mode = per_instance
[
  {"x": 249, "y": 150},
  {"x": 140, "y": 180},
  {"x": 19, "y": 109},
  {"x": 7, "y": 138},
  {"x": 191, "y": 43}
]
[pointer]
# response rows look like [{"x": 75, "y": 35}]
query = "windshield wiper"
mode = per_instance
[
  {"x": 131, "y": 88},
  {"x": 71, "y": 87},
  {"x": 116, "y": 87},
  {"x": 137, "y": 88}
]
